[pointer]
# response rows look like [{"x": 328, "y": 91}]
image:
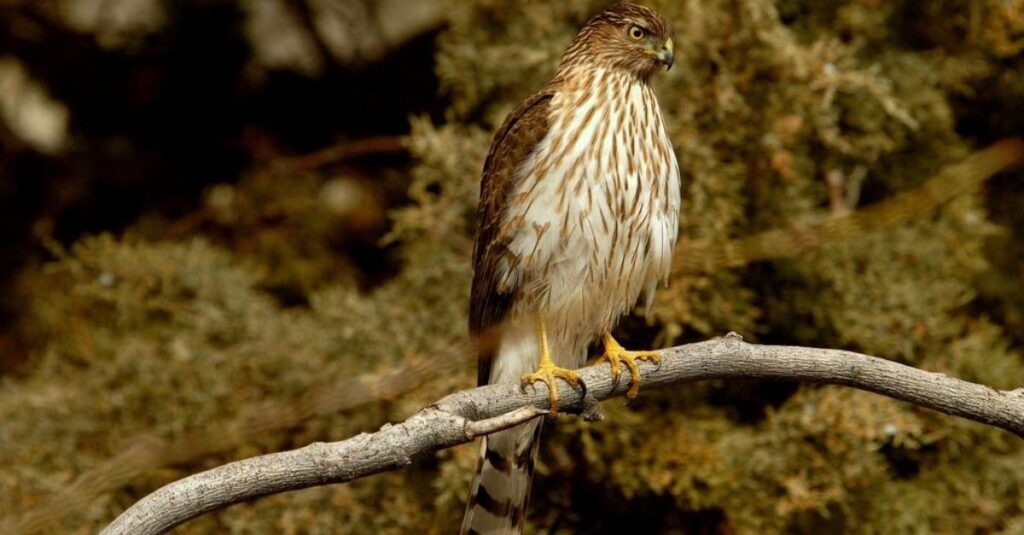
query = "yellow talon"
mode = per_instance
[
  {"x": 547, "y": 372},
  {"x": 616, "y": 355}
]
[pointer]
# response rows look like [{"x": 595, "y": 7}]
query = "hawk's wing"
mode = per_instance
[{"x": 513, "y": 143}]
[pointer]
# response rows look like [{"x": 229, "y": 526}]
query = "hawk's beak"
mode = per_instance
[{"x": 667, "y": 54}]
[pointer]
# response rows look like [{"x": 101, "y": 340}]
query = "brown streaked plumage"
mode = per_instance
[
  {"x": 513, "y": 142},
  {"x": 579, "y": 201}
]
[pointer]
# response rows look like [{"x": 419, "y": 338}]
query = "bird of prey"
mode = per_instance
[{"x": 577, "y": 220}]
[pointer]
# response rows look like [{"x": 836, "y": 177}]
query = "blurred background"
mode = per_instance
[{"x": 232, "y": 227}]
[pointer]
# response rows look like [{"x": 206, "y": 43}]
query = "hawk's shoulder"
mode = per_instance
[{"x": 512, "y": 144}]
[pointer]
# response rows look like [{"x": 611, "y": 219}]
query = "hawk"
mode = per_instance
[{"x": 577, "y": 220}]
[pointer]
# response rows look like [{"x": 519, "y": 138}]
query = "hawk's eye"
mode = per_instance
[{"x": 637, "y": 33}]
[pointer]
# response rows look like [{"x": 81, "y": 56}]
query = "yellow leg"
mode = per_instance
[
  {"x": 547, "y": 372},
  {"x": 616, "y": 355}
]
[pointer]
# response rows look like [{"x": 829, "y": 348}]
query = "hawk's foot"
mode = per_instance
[
  {"x": 617, "y": 356},
  {"x": 547, "y": 373}
]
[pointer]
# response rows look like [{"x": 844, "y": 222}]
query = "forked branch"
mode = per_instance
[{"x": 462, "y": 416}]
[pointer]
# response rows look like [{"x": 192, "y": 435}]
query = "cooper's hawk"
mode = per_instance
[{"x": 579, "y": 202}]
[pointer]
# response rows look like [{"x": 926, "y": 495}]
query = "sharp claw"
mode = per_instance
[
  {"x": 629, "y": 358},
  {"x": 616, "y": 369},
  {"x": 548, "y": 376},
  {"x": 634, "y": 377}
]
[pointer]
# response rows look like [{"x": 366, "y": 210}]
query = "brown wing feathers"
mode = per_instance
[{"x": 524, "y": 128}]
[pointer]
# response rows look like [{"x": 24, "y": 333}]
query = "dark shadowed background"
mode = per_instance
[{"x": 232, "y": 227}]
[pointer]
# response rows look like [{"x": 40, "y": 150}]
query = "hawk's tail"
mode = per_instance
[{"x": 501, "y": 485}]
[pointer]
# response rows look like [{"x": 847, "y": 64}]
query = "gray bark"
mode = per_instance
[{"x": 462, "y": 416}]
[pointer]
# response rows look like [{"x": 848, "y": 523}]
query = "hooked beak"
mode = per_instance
[{"x": 667, "y": 54}]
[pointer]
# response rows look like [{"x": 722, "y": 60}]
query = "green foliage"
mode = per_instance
[{"x": 780, "y": 112}]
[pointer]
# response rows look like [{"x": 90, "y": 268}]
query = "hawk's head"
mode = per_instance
[{"x": 625, "y": 36}]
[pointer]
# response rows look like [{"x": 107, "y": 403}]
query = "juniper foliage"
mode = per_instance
[{"x": 780, "y": 111}]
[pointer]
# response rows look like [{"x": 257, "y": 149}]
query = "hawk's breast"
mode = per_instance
[{"x": 593, "y": 222}]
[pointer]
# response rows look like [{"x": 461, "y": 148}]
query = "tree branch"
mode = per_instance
[
  {"x": 147, "y": 453},
  {"x": 460, "y": 417}
]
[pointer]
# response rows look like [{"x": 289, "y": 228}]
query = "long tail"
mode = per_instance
[{"x": 501, "y": 486}]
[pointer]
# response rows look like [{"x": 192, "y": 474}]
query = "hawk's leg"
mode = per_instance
[
  {"x": 547, "y": 372},
  {"x": 616, "y": 355}
]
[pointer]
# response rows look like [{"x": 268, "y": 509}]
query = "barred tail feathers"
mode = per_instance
[{"x": 501, "y": 486}]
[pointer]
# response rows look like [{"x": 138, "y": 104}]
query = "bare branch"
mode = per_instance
[
  {"x": 459, "y": 417},
  {"x": 148, "y": 453}
]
